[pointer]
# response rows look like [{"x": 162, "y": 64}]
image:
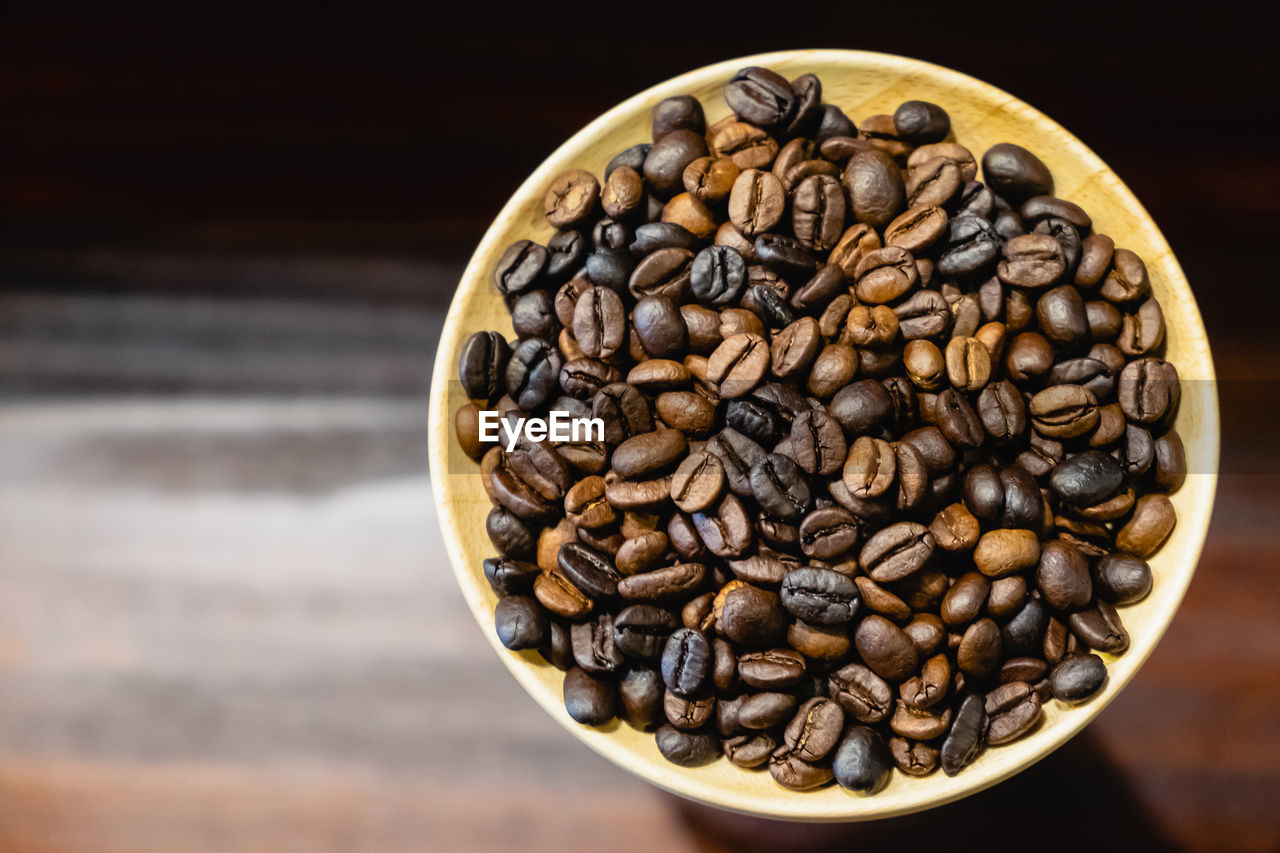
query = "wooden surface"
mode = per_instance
[
  {"x": 236, "y": 633},
  {"x": 862, "y": 84}
]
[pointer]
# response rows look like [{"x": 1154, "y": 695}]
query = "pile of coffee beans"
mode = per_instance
[{"x": 885, "y": 445}]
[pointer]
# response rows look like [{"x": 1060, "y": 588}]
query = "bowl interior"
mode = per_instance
[{"x": 862, "y": 84}]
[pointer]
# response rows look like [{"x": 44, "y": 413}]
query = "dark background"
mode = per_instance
[{"x": 226, "y": 247}]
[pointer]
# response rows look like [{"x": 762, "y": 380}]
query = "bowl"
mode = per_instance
[{"x": 863, "y": 84}]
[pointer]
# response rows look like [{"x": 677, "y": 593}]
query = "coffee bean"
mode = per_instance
[
  {"x": 520, "y": 267},
  {"x": 1152, "y": 521},
  {"x": 790, "y": 771},
  {"x": 971, "y": 245},
  {"x": 482, "y": 365},
  {"x": 1065, "y": 411},
  {"x": 829, "y": 533},
  {"x": 1087, "y": 478},
  {"x": 761, "y": 97},
  {"x": 521, "y": 623},
  {"x": 897, "y": 551},
  {"x": 967, "y": 737},
  {"x": 1013, "y": 709},
  {"x": 1063, "y": 576},
  {"x": 1127, "y": 281},
  {"x": 820, "y": 596},
  {"x": 686, "y": 749},
  {"x": 667, "y": 584},
  {"x": 756, "y": 202},
  {"x": 667, "y": 159},
  {"x": 778, "y": 484},
  {"x": 773, "y": 669},
  {"x": 978, "y": 654},
  {"x": 698, "y": 482},
  {"x": 875, "y": 187},
  {"x": 1149, "y": 390},
  {"x": 885, "y": 648},
  {"x": 749, "y": 750},
  {"x": 1123, "y": 579},
  {"x": 1077, "y": 678},
  {"x": 818, "y": 212},
  {"x": 921, "y": 123},
  {"x": 749, "y": 616},
  {"x": 679, "y": 112},
  {"x": 862, "y": 761},
  {"x": 571, "y": 198},
  {"x": 593, "y": 645},
  {"x": 641, "y": 630},
  {"x": 1015, "y": 173},
  {"x": 590, "y": 701},
  {"x": 686, "y": 662},
  {"x": 765, "y": 710}
]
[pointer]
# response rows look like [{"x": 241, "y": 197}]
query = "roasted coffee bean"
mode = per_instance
[
  {"x": 921, "y": 123},
  {"x": 971, "y": 245},
  {"x": 593, "y": 645},
  {"x": 588, "y": 570},
  {"x": 818, "y": 212},
  {"x": 1152, "y": 521},
  {"x": 761, "y": 97},
  {"x": 885, "y": 648},
  {"x": 1087, "y": 478},
  {"x": 772, "y": 670},
  {"x": 1077, "y": 678},
  {"x": 1123, "y": 579},
  {"x": 790, "y": 771},
  {"x": 1127, "y": 281},
  {"x": 666, "y": 584},
  {"x": 919, "y": 724},
  {"x": 1013, "y": 709},
  {"x": 1149, "y": 390},
  {"x": 698, "y": 482},
  {"x": 1065, "y": 411},
  {"x": 862, "y": 693},
  {"x": 978, "y": 654},
  {"x": 829, "y": 533},
  {"x": 1063, "y": 576},
  {"x": 765, "y": 710},
  {"x": 884, "y": 275},
  {"x": 520, "y": 267},
  {"x": 640, "y": 693},
  {"x": 590, "y": 701},
  {"x": 923, "y": 314},
  {"x": 815, "y": 729},
  {"x": 738, "y": 364},
  {"x": 779, "y": 485},
  {"x": 934, "y": 183},
  {"x": 871, "y": 466},
  {"x": 967, "y": 737},
  {"x": 748, "y": 615},
  {"x": 897, "y": 551},
  {"x": 794, "y": 348},
  {"x": 533, "y": 372},
  {"x": 599, "y": 322},
  {"x": 817, "y": 442},
  {"x": 757, "y": 202},
  {"x": 667, "y": 159},
  {"x": 1100, "y": 628},
  {"x": 965, "y": 599},
  {"x": 571, "y": 198},
  {"x": 875, "y": 187},
  {"x": 687, "y": 748},
  {"x": 687, "y": 713},
  {"x": 482, "y": 365},
  {"x": 833, "y": 369},
  {"x": 686, "y": 662},
  {"x": 680, "y": 112},
  {"x": 1015, "y": 174},
  {"x": 521, "y": 623},
  {"x": 820, "y": 596},
  {"x": 862, "y": 762},
  {"x": 641, "y": 630},
  {"x": 566, "y": 251}
]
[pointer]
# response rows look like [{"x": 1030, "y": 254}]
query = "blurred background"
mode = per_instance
[{"x": 226, "y": 250}]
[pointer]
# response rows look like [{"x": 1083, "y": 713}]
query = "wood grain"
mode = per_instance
[{"x": 862, "y": 84}]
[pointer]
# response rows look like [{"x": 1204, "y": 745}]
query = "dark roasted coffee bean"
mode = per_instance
[
  {"x": 665, "y": 164},
  {"x": 686, "y": 662},
  {"x": 1065, "y": 411},
  {"x": 862, "y": 407},
  {"x": 509, "y": 577},
  {"x": 632, "y": 157},
  {"x": 521, "y": 622},
  {"x": 1087, "y": 478},
  {"x": 509, "y": 534},
  {"x": 1100, "y": 628},
  {"x": 761, "y": 96},
  {"x": 749, "y": 750},
  {"x": 971, "y": 245},
  {"x": 978, "y": 654},
  {"x": 769, "y": 303},
  {"x": 590, "y": 701},
  {"x": 641, "y": 630},
  {"x": 790, "y": 771},
  {"x": 520, "y": 267},
  {"x": 726, "y": 528},
  {"x": 1024, "y": 633},
  {"x": 588, "y": 570},
  {"x": 482, "y": 365},
  {"x": 640, "y": 692},
  {"x": 648, "y": 453},
  {"x": 687, "y": 748},
  {"x": 600, "y": 322},
  {"x": 1063, "y": 576},
  {"x": 1014, "y": 173},
  {"x": 738, "y": 454},
  {"x": 862, "y": 693},
  {"x": 1077, "y": 678},
  {"x": 533, "y": 372},
  {"x": 655, "y": 236},
  {"x": 862, "y": 762},
  {"x": 533, "y": 316},
  {"x": 593, "y": 645},
  {"x": 679, "y": 112},
  {"x": 779, "y": 485},
  {"x": 923, "y": 314},
  {"x": 817, "y": 442},
  {"x": 1032, "y": 261},
  {"x": 1123, "y": 579},
  {"x": 967, "y": 737},
  {"x": 820, "y": 596},
  {"x": 660, "y": 327},
  {"x": 921, "y": 123}
]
